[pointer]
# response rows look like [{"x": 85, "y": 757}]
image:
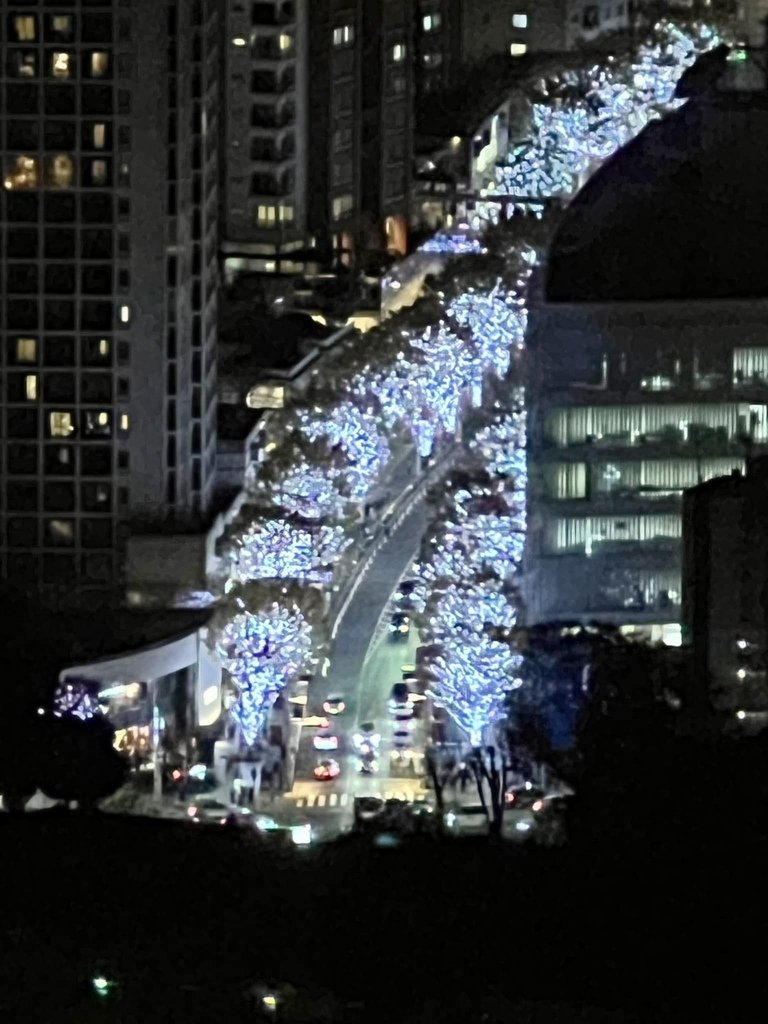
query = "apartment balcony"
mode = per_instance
[
  {"x": 271, "y": 15},
  {"x": 270, "y": 84},
  {"x": 269, "y": 186},
  {"x": 268, "y": 116},
  {"x": 273, "y": 49}
]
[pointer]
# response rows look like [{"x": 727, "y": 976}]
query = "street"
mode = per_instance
[{"x": 365, "y": 664}]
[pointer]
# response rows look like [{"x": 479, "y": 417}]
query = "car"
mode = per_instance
[
  {"x": 316, "y": 721},
  {"x": 366, "y": 808},
  {"x": 366, "y": 736},
  {"x": 327, "y": 770},
  {"x": 323, "y": 740},
  {"x": 399, "y": 626},
  {"x": 400, "y": 703},
  {"x": 469, "y": 820},
  {"x": 334, "y": 705},
  {"x": 525, "y": 797},
  {"x": 207, "y": 809}
]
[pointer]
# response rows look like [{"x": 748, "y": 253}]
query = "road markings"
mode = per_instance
[{"x": 323, "y": 800}]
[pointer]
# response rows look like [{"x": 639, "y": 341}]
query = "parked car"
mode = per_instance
[
  {"x": 400, "y": 703},
  {"x": 399, "y": 626}
]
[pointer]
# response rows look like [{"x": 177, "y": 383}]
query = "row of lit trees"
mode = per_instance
[{"x": 420, "y": 372}]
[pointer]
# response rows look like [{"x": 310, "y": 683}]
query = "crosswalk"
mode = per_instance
[{"x": 331, "y": 800}]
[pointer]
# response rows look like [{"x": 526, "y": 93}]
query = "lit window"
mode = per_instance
[
  {"x": 343, "y": 35},
  {"x": 125, "y": 314},
  {"x": 62, "y": 24},
  {"x": 99, "y": 63},
  {"x": 125, "y": 422},
  {"x": 60, "y": 424},
  {"x": 23, "y": 173},
  {"x": 103, "y": 347},
  {"x": 26, "y": 350},
  {"x": 518, "y": 49},
  {"x": 98, "y": 172},
  {"x": 61, "y": 62},
  {"x": 97, "y": 423},
  {"x": 431, "y": 22},
  {"x": 30, "y": 387},
  {"x": 239, "y": 41},
  {"x": 25, "y": 28},
  {"x": 60, "y": 531},
  {"x": 432, "y": 60},
  {"x": 60, "y": 171},
  {"x": 26, "y": 65},
  {"x": 99, "y": 136},
  {"x": 398, "y": 52},
  {"x": 519, "y": 21},
  {"x": 342, "y": 205},
  {"x": 286, "y": 214},
  {"x": 266, "y": 216},
  {"x": 285, "y": 42}
]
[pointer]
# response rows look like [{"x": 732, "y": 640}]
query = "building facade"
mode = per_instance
[
  {"x": 649, "y": 365},
  {"x": 316, "y": 160},
  {"x": 108, "y": 261},
  {"x": 725, "y": 590}
]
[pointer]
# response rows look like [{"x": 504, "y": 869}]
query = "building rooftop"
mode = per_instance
[{"x": 678, "y": 214}]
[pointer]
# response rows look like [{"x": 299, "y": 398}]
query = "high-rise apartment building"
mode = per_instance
[
  {"x": 317, "y": 150},
  {"x": 108, "y": 263}
]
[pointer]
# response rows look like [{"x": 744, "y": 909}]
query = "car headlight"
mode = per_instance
[{"x": 404, "y": 628}]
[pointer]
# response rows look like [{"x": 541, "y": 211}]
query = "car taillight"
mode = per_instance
[{"x": 537, "y": 805}]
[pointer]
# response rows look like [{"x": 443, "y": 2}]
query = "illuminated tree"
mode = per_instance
[{"x": 277, "y": 549}]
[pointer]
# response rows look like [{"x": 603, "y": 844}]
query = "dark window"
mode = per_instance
[
  {"x": 96, "y": 28},
  {"x": 96, "y": 387},
  {"x": 96, "y": 497},
  {"x": 21, "y": 497},
  {"x": 96, "y": 461},
  {"x": 59, "y": 568},
  {"x": 59, "y": 497},
  {"x": 21, "y": 313},
  {"x": 59, "y": 208},
  {"x": 59, "y": 244},
  {"x": 96, "y": 207},
  {"x": 96, "y": 244},
  {"x": 59, "y": 387},
  {"x": 60, "y": 135},
  {"x": 96, "y": 280},
  {"x": 59, "y": 28},
  {"x": 123, "y": 245},
  {"x": 21, "y": 208},
  {"x": 23, "y": 134},
  {"x": 123, "y": 102},
  {"x": 123, "y": 460},
  {"x": 21, "y": 243},
  {"x": 22, "y": 533},
  {"x": 59, "y": 315},
  {"x": 22, "y": 99},
  {"x": 21, "y": 279},
  {"x": 59, "y": 351},
  {"x": 96, "y": 99},
  {"x": 16, "y": 387},
  {"x": 60, "y": 280},
  {"x": 95, "y": 315},
  {"x": 22, "y": 423},
  {"x": 59, "y": 460},
  {"x": 98, "y": 568},
  {"x": 22, "y": 459},
  {"x": 59, "y": 99},
  {"x": 96, "y": 533}
]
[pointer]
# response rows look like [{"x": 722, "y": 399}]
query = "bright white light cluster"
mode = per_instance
[
  {"x": 453, "y": 244},
  {"x": 280, "y": 550},
  {"x": 309, "y": 492},
  {"x": 473, "y": 607},
  {"x": 603, "y": 108},
  {"x": 473, "y": 674},
  {"x": 359, "y": 436},
  {"x": 76, "y": 699},
  {"x": 502, "y": 445},
  {"x": 262, "y": 651}
]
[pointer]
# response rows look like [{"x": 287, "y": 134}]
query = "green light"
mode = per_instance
[
  {"x": 738, "y": 56},
  {"x": 101, "y": 985}
]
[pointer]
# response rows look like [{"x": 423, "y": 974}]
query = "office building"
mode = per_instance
[
  {"x": 725, "y": 590},
  {"x": 108, "y": 249},
  {"x": 649, "y": 366}
]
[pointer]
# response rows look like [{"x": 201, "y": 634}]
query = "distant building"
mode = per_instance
[
  {"x": 725, "y": 589},
  {"x": 108, "y": 246},
  {"x": 317, "y": 148},
  {"x": 649, "y": 367}
]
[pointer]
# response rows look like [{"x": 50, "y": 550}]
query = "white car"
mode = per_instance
[
  {"x": 325, "y": 741},
  {"x": 366, "y": 736}
]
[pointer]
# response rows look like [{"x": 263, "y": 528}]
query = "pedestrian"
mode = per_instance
[{"x": 463, "y": 776}]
